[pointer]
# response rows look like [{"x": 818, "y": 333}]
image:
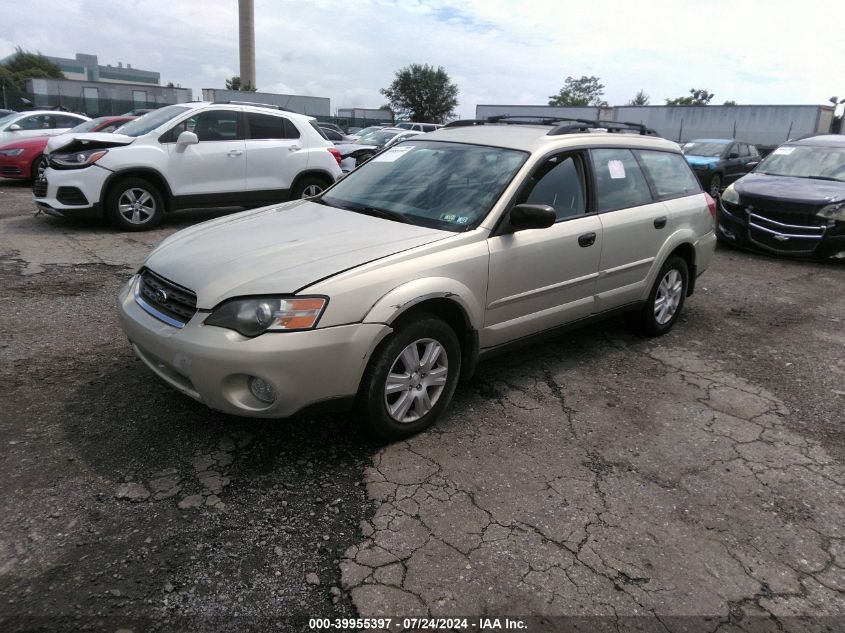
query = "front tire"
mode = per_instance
[
  {"x": 36, "y": 170},
  {"x": 410, "y": 379},
  {"x": 666, "y": 299},
  {"x": 715, "y": 187},
  {"x": 134, "y": 204}
]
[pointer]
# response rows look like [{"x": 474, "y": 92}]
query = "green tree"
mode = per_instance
[
  {"x": 235, "y": 84},
  {"x": 23, "y": 65},
  {"x": 423, "y": 93},
  {"x": 695, "y": 97},
  {"x": 731, "y": 102},
  {"x": 641, "y": 98},
  {"x": 585, "y": 91}
]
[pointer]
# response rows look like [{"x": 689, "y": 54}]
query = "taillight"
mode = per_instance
[
  {"x": 711, "y": 205},
  {"x": 336, "y": 153}
]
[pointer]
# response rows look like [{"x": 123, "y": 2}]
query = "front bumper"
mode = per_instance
[
  {"x": 213, "y": 364},
  {"x": 87, "y": 183},
  {"x": 779, "y": 238},
  {"x": 15, "y": 166}
]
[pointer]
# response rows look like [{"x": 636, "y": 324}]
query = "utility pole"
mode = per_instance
[{"x": 246, "y": 37}]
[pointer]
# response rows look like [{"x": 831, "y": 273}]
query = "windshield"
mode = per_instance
[
  {"x": 705, "y": 148},
  {"x": 368, "y": 130},
  {"x": 87, "y": 126},
  {"x": 449, "y": 186},
  {"x": 152, "y": 120},
  {"x": 824, "y": 163},
  {"x": 378, "y": 138},
  {"x": 404, "y": 126}
]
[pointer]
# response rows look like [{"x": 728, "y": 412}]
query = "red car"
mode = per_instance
[{"x": 24, "y": 159}]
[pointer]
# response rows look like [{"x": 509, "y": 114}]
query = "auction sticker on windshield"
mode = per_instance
[{"x": 392, "y": 154}]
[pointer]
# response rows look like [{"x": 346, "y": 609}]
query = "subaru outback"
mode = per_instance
[{"x": 380, "y": 293}]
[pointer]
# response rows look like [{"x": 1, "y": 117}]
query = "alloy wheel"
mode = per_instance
[
  {"x": 136, "y": 205},
  {"x": 416, "y": 380},
  {"x": 311, "y": 190},
  {"x": 668, "y": 296}
]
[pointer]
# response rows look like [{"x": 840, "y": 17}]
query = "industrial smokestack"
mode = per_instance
[{"x": 246, "y": 36}]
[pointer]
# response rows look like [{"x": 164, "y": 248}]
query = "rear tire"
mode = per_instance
[
  {"x": 309, "y": 187},
  {"x": 665, "y": 301},
  {"x": 134, "y": 204},
  {"x": 410, "y": 379}
]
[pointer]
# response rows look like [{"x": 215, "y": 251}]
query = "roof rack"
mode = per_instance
[
  {"x": 563, "y": 125},
  {"x": 252, "y": 103}
]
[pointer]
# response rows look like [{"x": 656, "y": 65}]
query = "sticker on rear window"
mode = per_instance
[
  {"x": 616, "y": 169},
  {"x": 392, "y": 154},
  {"x": 784, "y": 150}
]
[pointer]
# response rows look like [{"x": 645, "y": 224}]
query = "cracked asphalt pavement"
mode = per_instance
[{"x": 687, "y": 483}]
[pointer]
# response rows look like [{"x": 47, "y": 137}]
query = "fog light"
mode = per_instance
[
  {"x": 262, "y": 390},
  {"x": 839, "y": 255}
]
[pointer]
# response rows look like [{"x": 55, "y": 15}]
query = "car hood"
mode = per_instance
[
  {"x": 278, "y": 250},
  {"x": 87, "y": 140},
  {"x": 701, "y": 161},
  {"x": 807, "y": 191}
]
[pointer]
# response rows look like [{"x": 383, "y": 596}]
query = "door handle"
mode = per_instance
[
  {"x": 588, "y": 239},
  {"x": 235, "y": 152},
  {"x": 294, "y": 148},
  {"x": 659, "y": 223}
]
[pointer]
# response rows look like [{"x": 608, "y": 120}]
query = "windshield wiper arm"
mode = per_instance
[{"x": 379, "y": 213}]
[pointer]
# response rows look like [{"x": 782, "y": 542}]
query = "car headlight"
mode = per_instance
[
  {"x": 257, "y": 315},
  {"x": 78, "y": 159},
  {"x": 833, "y": 212},
  {"x": 730, "y": 195},
  {"x": 11, "y": 152}
]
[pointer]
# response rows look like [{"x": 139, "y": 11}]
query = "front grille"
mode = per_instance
[
  {"x": 39, "y": 188},
  {"x": 163, "y": 298},
  {"x": 8, "y": 170},
  {"x": 796, "y": 233},
  {"x": 71, "y": 195}
]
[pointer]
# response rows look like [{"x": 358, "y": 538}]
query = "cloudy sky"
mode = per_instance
[{"x": 497, "y": 51}]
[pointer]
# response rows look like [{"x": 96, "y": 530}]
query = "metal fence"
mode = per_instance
[{"x": 20, "y": 101}]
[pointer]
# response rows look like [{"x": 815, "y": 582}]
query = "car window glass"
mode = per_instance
[
  {"x": 619, "y": 179},
  {"x": 429, "y": 128},
  {"x": 36, "y": 122},
  {"x": 211, "y": 125},
  {"x": 743, "y": 149},
  {"x": 266, "y": 126},
  {"x": 332, "y": 135},
  {"x": 670, "y": 174},
  {"x": 752, "y": 149},
  {"x": 559, "y": 183}
]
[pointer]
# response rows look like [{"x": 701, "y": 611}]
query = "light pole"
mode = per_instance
[{"x": 836, "y": 101}]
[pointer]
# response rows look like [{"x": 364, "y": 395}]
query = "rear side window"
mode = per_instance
[
  {"x": 620, "y": 182},
  {"x": 320, "y": 130},
  {"x": 265, "y": 126},
  {"x": 670, "y": 174},
  {"x": 743, "y": 149},
  {"x": 753, "y": 149},
  {"x": 560, "y": 184}
]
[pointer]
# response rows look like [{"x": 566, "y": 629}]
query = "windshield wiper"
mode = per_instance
[
  {"x": 824, "y": 178},
  {"x": 372, "y": 211}
]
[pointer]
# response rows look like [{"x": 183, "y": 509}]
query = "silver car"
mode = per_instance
[{"x": 380, "y": 293}]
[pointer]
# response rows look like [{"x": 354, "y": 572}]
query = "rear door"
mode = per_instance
[
  {"x": 541, "y": 278},
  {"x": 215, "y": 165},
  {"x": 634, "y": 225},
  {"x": 274, "y": 154}
]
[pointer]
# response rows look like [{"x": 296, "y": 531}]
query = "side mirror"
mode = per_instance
[
  {"x": 187, "y": 138},
  {"x": 532, "y": 216},
  {"x": 14, "y": 127},
  {"x": 733, "y": 155}
]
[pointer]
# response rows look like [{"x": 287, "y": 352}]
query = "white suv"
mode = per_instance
[
  {"x": 187, "y": 156},
  {"x": 442, "y": 250}
]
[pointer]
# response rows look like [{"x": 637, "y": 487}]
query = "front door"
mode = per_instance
[
  {"x": 541, "y": 278},
  {"x": 214, "y": 166}
]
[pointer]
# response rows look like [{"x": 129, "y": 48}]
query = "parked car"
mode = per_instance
[
  {"x": 4, "y": 112},
  {"x": 24, "y": 159},
  {"x": 336, "y": 137},
  {"x": 20, "y": 125},
  {"x": 445, "y": 249},
  {"x": 185, "y": 156},
  {"x": 719, "y": 162},
  {"x": 331, "y": 126},
  {"x": 418, "y": 127},
  {"x": 360, "y": 151},
  {"x": 793, "y": 203}
]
